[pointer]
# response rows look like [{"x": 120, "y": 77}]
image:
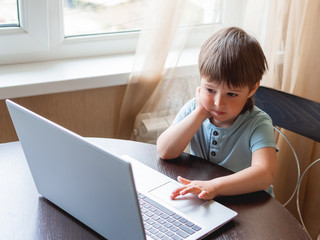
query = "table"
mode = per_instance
[{"x": 24, "y": 214}]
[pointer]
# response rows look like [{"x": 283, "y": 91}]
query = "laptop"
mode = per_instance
[{"x": 116, "y": 196}]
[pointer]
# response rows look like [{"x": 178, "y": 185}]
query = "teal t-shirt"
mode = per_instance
[{"x": 231, "y": 147}]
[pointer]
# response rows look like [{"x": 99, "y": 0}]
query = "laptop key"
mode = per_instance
[
  {"x": 182, "y": 234},
  {"x": 153, "y": 230},
  {"x": 176, "y": 237},
  {"x": 150, "y": 221},
  {"x": 158, "y": 212},
  {"x": 163, "y": 229},
  {"x": 171, "y": 220},
  {"x": 145, "y": 217},
  {"x": 152, "y": 209},
  {"x": 149, "y": 214},
  {"x": 183, "y": 220},
  {"x": 155, "y": 217},
  {"x": 156, "y": 225},
  {"x": 166, "y": 238},
  {"x": 176, "y": 216},
  {"x": 174, "y": 229},
  {"x": 169, "y": 233},
  {"x": 176, "y": 223},
  {"x": 147, "y": 227},
  {"x": 164, "y": 216},
  {"x": 161, "y": 221},
  {"x": 168, "y": 225},
  {"x": 187, "y": 229},
  {"x": 195, "y": 227},
  {"x": 143, "y": 210},
  {"x": 189, "y": 224},
  {"x": 160, "y": 235}
]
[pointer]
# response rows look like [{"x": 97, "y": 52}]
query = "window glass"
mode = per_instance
[
  {"x": 9, "y": 13},
  {"x": 84, "y": 17}
]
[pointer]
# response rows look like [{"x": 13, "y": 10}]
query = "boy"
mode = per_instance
[{"x": 221, "y": 122}]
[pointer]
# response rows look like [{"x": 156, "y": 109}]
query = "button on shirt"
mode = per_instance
[{"x": 231, "y": 147}]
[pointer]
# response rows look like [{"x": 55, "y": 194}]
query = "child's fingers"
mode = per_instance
[
  {"x": 177, "y": 192},
  {"x": 174, "y": 195},
  {"x": 203, "y": 195},
  {"x": 198, "y": 90},
  {"x": 197, "y": 95},
  {"x": 184, "y": 181},
  {"x": 189, "y": 189}
]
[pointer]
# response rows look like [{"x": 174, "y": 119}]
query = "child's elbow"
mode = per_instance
[
  {"x": 164, "y": 152},
  {"x": 161, "y": 153},
  {"x": 268, "y": 180}
]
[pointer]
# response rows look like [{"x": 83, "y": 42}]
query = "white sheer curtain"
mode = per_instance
[
  {"x": 154, "y": 87},
  {"x": 289, "y": 33}
]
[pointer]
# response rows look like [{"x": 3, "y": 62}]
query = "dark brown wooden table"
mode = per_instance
[{"x": 24, "y": 214}]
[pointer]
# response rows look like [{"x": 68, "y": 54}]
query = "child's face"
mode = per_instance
[{"x": 223, "y": 103}]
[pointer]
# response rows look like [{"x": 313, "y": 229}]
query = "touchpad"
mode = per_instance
[{"x": 185, "y": 203}]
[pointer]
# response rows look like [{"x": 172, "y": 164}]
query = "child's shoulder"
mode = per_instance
[
  {"x": 190, "y": 105},
  {"x": 187, "y": 108},
  {"x": 258, "y": 117},
  {"x": 258, "y": 113}
]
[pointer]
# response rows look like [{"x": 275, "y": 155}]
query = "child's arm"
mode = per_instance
[
  {"x": 259, "y": 176},
  {"x": 175, "y": 139}
]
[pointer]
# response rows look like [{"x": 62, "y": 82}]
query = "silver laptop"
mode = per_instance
[{"x": 118, "y": 197}]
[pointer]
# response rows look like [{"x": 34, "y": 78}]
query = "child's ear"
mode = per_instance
[{"x": 254, "y": 89}]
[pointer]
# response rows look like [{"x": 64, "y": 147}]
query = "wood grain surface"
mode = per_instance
[{"x": 24, "y": 214}]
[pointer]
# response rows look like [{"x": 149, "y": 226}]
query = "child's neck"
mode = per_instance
[{"x": 222, "y": 124}]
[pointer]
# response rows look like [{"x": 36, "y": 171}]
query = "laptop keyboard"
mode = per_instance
[{"x": 162, "y": 223}]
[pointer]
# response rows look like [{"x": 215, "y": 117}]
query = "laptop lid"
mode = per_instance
[
  {"x": 84, "y": 180},
  {"x": 99, "y": 188}
]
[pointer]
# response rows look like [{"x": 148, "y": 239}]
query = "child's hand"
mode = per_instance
[
  {"x": 203, "y": 189},
  {"x": 199, "y": 106}
]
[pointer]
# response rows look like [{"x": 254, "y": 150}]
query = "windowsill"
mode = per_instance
[
  {"x": 38, "y": 78},
  {"x": 29, "y": 79}
]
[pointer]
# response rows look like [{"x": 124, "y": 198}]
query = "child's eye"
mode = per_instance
[
  {"x": 210, "y": 90},
  {"x": 232, "y": 94}
]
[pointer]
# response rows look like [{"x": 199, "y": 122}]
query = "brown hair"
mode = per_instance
[{"x": 233, "y": 57}]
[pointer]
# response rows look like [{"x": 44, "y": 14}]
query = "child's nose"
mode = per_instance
[{"x": 219, "y": 101}]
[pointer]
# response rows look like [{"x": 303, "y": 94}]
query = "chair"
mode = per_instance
[
  {"x": 296, "y": 114},
  {"x": 290, "y": 112},
  {"x": 298, "y": 190}
]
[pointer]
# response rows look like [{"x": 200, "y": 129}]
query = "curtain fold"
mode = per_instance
[
  {"x": 167, "y": 27},
  {"x": 160, "y": 23},
  {"x": 293, "y": 53},
  {"x": 301, "y": 71},
  {"x": 288, "y": 31}
]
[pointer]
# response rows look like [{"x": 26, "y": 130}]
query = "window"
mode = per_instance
[
  {"x": 35, "y": 30},
  {"x": 99, "y": 17},
  {"x": 9, "y": 16},
  {"x": 85, "y": 17}
]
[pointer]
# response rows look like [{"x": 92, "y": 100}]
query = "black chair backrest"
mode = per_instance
[{"x": 290, "y": 112}]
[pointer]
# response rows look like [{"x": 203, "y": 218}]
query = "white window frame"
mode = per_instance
[
  {"x": 52, "y": 63},
  {"x": 41, "y": 37}
]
